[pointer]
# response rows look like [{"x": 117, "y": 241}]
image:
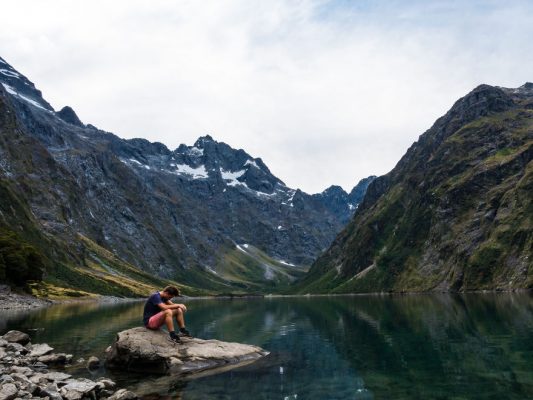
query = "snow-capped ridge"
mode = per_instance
[{"x": 32, "y": 102}]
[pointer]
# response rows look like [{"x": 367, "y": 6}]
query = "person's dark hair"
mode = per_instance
[{"x": 172, "y": 290}]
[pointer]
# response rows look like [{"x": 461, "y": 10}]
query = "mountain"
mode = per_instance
[
  {"x": 207, "y": 215},
  {"x": 455, "y": 214}
]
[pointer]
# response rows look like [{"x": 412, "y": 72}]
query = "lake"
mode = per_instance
[{"x": 474, "y": 346}]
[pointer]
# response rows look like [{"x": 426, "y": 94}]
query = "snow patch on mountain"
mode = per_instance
[
  {"x": 197, "y": 173},
  {"x": 241, "y": 248},
  {"x": 231, "y": 177},
  {"x": 13, "y": 92},
  {"x": 286, "y": 263},
  {"x": 9, "y": 73},
  {"x": 252, "y": 163},
  {"x": 196, "y": 152}
]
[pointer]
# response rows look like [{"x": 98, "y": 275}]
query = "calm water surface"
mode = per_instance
[{"x": 477, "y": 346}]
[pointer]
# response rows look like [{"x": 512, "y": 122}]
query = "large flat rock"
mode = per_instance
[{"x": 144, "y": 350}]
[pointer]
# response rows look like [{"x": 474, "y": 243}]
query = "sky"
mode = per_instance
[{"x": 325, "y": 92}]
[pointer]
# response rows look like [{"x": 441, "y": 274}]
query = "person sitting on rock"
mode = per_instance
[{"x": 159, "y": 310}]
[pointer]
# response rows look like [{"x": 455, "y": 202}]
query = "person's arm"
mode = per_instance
[
  {"x": 168, "y": 306},
  {"x": 182, "y": 306}
]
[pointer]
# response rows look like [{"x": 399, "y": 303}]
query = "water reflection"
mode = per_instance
[{"x": 360, "y": 347}]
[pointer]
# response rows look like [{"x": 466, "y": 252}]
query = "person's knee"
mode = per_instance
[
  {"x": 168, "y": 313},
  {"x": 178, "y": 311}
]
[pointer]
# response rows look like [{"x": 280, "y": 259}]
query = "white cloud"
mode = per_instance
[{"x": 326, "y": 92}]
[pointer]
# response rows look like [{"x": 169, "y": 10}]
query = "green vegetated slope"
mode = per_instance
[
  {"x": 455, "y": 213},
  {"x": 249, "y": 269}
]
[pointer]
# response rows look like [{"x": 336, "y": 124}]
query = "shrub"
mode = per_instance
[{"x": 19, "y": 261}]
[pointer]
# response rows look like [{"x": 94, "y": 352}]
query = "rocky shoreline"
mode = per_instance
[
  {"x": 26, "y": 372},
  {"x": 10, "y": 300}
]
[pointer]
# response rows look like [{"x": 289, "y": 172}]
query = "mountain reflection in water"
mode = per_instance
[{"x": 350, "y": 347}]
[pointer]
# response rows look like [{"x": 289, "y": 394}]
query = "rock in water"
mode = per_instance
[
  {"x": 139, "y": 349},
  {"x": 123, "y": 394},
  {"x": 93, "y": 363},
  {"x": 16, "y": 337}
]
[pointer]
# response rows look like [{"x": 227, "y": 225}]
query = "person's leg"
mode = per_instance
[
  {"x": 168, "y": 320},
  {"x": 163, "y": 318},
  {"x": 156, "y": 321},
  {"x": 178, "y": 312}
]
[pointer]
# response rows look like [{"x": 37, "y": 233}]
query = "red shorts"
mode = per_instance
[{"x": 156, "y": 321}]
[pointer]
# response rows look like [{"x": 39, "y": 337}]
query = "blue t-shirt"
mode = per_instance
[{"x": 151, "y": 307}]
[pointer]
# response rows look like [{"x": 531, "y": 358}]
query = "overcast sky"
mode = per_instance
[{"x": 326, "y": 92}]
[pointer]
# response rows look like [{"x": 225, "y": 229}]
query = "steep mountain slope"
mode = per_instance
[
  {"x": 179, "y": 214},
  {"x": 454, "y": 214}
]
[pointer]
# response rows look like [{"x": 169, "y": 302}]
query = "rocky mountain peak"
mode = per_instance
[
  {"x": 481, "y": 101},
  {"x": 68, "y": 115},
  {"x": 334, "y": 190},
  {"x": 202, "y": 140},
  {"x": 21, "y": 87}
]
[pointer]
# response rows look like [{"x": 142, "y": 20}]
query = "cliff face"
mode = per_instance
[
  {"x": 207, "y": 215},
  {"x": 454, "y": 214}
]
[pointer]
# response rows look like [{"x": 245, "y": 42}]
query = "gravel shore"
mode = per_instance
[{"x": 10, "y": 301}]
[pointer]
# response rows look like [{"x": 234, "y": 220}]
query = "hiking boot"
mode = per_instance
[
  {"x": 185, "y": 333},
  {"x": 174, "y": 338}
]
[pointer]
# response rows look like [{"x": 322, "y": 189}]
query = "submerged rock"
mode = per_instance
[
  {"x": 93, "y": 362},
  {"x": 140, "y": 349},
  {"x": 123, "y": 394}
]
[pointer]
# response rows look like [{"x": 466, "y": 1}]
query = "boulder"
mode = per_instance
[
  {"x": 55, "y": 358},
  {"x": 16, "y": 337},
  {"x": 16, "y": 348},
  {"x": 51, "y": 391},
  {"x": 75, "y": 389},
  {"x": 56, "y": 376},
  {"x": 27, "y": 371},
  {"x": 140, "y": 349},
  {"x": 38, "y": 350}
]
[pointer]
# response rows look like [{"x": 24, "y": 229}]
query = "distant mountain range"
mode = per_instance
[
  {"x": 98, "y": 213},
  {"x": 455, "y": 214}
]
